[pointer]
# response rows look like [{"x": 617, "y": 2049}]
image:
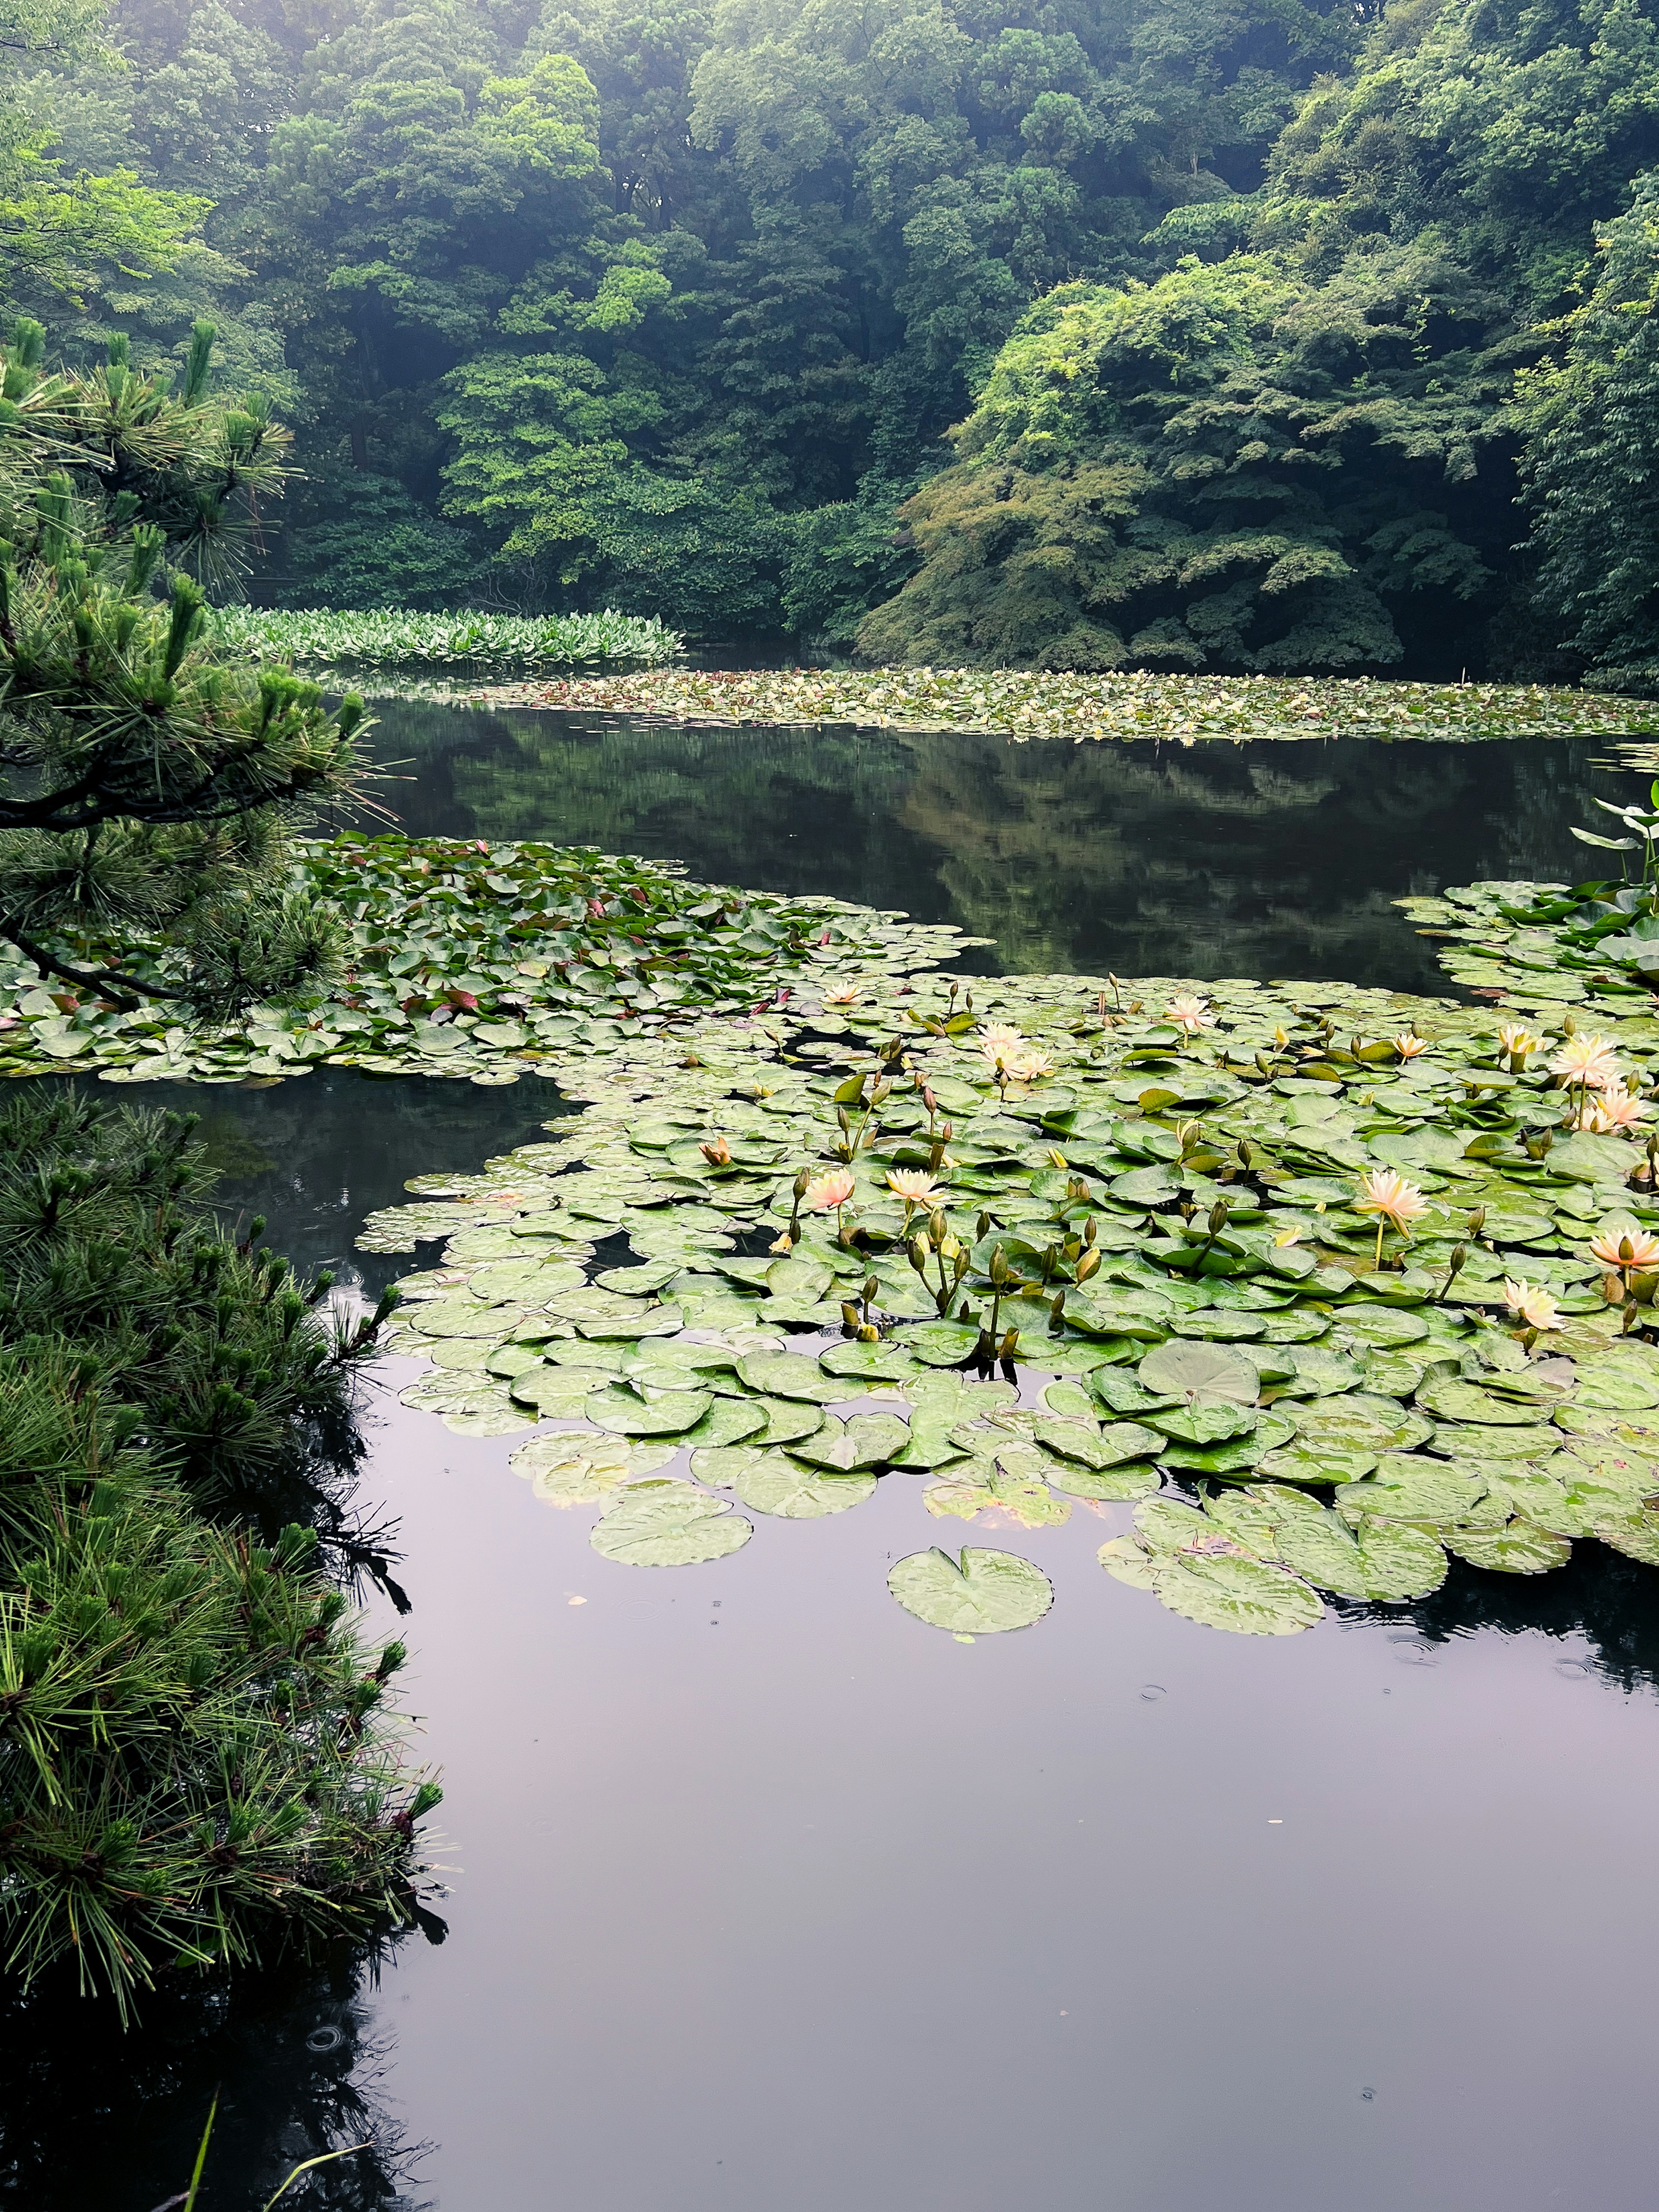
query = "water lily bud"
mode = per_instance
[
  {"x": 850, "y": 1315},
  {"x": 1245, "y": 1155},
  {"x": 867, "y": 1332},
  {"x": 1569, "y": 1025},
  {"x": 1218, "y": 1214},
  {"x": 1477, "y": 1220},
  {"x": 999, "y": 1266},
  {"x": 1090, "y": 1230},
  {"x": 879, "y": 1091},
  {"x": 1629, "y": 1318},
  {"x": 921, "y": 1249},
  {"x": 870, "y": 1286},
  {"x": 1057, "y": 1159},
  {"x": 1010, "y": 1343},
  {"x": 962, "y": 1263},
  {"x": 938, "y": 1227},
  {"x": 1088, "y": 1265},
  {"x": 841, "y": 1122},
  {"x": 801, "y": 1182},
  {"x": 1626, "y": 1250},
  {"x": 982, "y": 1228},
  {"x": 1057, "y": 1308}
]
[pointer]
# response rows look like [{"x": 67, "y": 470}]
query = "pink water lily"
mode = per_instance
[{"x": 828, "y": 1191}]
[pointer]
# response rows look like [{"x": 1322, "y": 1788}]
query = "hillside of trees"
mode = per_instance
[{"x": 1221, "y": 334}]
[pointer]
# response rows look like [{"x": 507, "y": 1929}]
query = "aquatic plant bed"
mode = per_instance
[
  {"x": 1036, "y": 704},
  {"x": 1546, "y": 945},
  {"x": 470, "y": 960},
  {"x": 1304, "y": 1290},
  {"x": 329, "y": 637}
]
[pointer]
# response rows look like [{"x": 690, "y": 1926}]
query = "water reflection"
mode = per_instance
[
  {"x": 1257, "y": 859},
  {"x": 93, "y": 2118}
]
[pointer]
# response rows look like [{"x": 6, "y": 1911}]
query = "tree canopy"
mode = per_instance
[{"x": 1083, "y": 333}]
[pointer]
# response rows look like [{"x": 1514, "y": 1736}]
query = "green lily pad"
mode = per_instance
[
  {"x": 773, "y": 1482},
  {"x": 887, "y": 1362},
  {"x": 1180, "y": 1369},
  {"x": 1635, "y": 1535},
  {"x": 500, "y": 1419},
  {"x": 787, "y": 1375},
  {"x": 1519, "y": 1548},
  {"x": 666, "y": 1522},
  {"x": 1421, "y": 1490},
  {"x": 867, "y": 1440},
  {"x": 788, "y": 1420},
  {"x": 1245, "y": 1596},
  {"x": 622, "y": 1412},
  {"x": 979, "y": 1593},
  {"x": 1299, "y": 1462},
  {"x": 1388, "y": 1327},
  {"x": 1467, "y": 1402},
  {"x": 729, "y": 1421},
  {"x": 1014, "y": 1488},
  {"x": 1380, "y": 1560},
  {"x": 941, "y": 1343}
]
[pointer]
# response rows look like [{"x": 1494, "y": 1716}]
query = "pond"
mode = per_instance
[{"x": 767, "y": 1897}]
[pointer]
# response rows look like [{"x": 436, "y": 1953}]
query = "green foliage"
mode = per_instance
[
  {"x": 140, "y": 779},
  {"x": 397, "y": 637},
  {"x": 377, "y": 548},
  {"x": 192, "y": 1762},
  {"x": 1592, "y": 421}
]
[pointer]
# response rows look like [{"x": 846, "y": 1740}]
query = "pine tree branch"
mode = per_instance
[{"x": 108, "y": 983}]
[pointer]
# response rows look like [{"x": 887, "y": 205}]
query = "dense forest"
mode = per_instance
[{"x": 1221, "y": 334}]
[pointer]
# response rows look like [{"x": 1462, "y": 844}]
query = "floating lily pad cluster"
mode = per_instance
[
  {"x": 1547, "y": 945},
  {"x": 1048, "y": 1248},
  {"x": 475, "y": 960},
  {"x": 395, "y": 637},
  {"x": 1024, "y": 703}
]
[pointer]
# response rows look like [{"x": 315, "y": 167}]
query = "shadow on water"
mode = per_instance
[{"x": 1260, "y": 858}]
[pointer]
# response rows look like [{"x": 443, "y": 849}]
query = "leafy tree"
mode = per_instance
[
  {"x": 1591, "y": 464},
  {"x": 139, "y": 779}
]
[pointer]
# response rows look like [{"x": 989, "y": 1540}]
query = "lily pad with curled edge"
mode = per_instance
[
  {"x": 1240, "y": 1456},
  {"x": 888, "y": 1362},
  {"x": 789, "y": 1375},
  {"x": 1207, "y": 1421},
  {"x": 1180, "y": 1369},
  {"x": 867, "y": 1440},
  {"x": 1385, "y": 1327},
  {"x": 624, "y": 1413},
  {"x": 1245, "y": 1596},
  {"x": 575, "y": 1468},
  {"x": 773, "y": 1483},
  {"x": 1382, "y": 1561},
  {"x": 941, "y": 1344},
  {"x": 1358, "y": 1422},
  {"x": 1459, "y": 1401},
  {"x": 979, "y": 1593},
  {"x": 666, "y": 1522},
  {"x": 931, "y": 1441},
  {"x": 1412, "y": 1490},
  {"x": 1635, "y": 1535},
  {"x": 1307, "y": 1462},
  {"x": 1518, "y": 1548},
  {"x": 639, "y": 1282},
  {"x": 788, "y": 1420},
  {"x": 728, "y": 1421},
  {"x": 1083, "y": 1440}
]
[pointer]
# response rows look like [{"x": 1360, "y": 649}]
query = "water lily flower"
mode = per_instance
[
  {"x": 998, "y": 1039},
  {"x": 1530, "y": 1302},
  {"x": 1624, "y": 1254},
  {"x": 1612, "y": 1110},
  {"x": 1030, "y": 1066},
  {"x": 784, "y": 1245},
  {"x": 1587, "y": 1062},
  {"x": 1392, "y": 1199},
  {"x": 1189, "y": 1013},
  {"x": 828, "y": 1191},
  {"x": 719, "y": 1154},
  {"x": 912, "y": 1186},
  {"x": 1408, "y": 1045},
  {"x": 1286, "y": 1237},
  {"x": 1519, "y": 1043},
  {"x": 844, "y": 995}
]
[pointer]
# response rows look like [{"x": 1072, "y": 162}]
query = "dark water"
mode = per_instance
[
  {"x": 767, "y": 1898},
  {"x": 1260, "y": 859}
]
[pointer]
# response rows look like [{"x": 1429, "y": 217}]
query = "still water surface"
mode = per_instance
[{"x": 768, "y": 1898}]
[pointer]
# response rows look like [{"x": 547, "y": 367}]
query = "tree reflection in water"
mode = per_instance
[{"x": 1265, "y": 859}]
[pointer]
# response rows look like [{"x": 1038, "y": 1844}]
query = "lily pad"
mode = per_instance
[
  {"x": 865, "y": 1441},
  {"x": 1245, "y": 1596},
  {"x": 978, "y": 1593},
  {"x": 1519, "y": 1548},
  {"x": 773, "y": 1482},
  {"x": 1180, "y": 1369},
  {"x": 624, "y": 1413},
  {"x": 1380, "y": 1560},
  {"x": 787, "y": 1375},
  {"x": 666, "y": 1522}
]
